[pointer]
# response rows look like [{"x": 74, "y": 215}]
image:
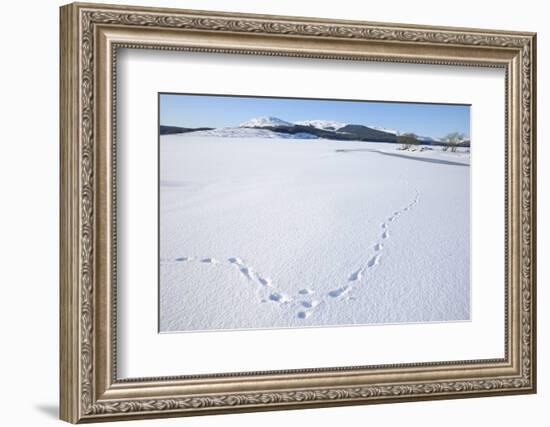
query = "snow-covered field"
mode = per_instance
[{"x": 272, "y": 233}]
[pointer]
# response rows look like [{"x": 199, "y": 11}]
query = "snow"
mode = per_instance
[
  {"x": 322, "y": 124},
  {"x": 310, "y": 233},
  {"x": 259, "y": 122}
]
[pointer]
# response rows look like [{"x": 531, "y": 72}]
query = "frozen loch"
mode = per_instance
[{"x": 260, "y": 232}]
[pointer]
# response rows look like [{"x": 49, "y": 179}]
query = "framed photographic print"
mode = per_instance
[{"x": 266, "y": 212}]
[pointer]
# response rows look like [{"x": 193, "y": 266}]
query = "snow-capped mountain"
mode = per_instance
[
  {"x": 264, "y": 122},
  {"x": 322, "y": 124},
  {"x": 274, "y": 127},
  {"x": 245, "y": 132}
]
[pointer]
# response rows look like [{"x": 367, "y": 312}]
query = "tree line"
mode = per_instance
[{"x": 451, "y": 141}]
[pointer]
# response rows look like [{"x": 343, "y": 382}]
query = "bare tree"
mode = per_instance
[
  {"x": 407, "y": 140},
  {"x": 452, "y": 140}
]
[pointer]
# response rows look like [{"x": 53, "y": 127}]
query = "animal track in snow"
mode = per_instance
[
  {"x": 359, "y": 274},
  {"x": 278, "y": 297},
  {"x": 243, "y": 269},
  {"x": 250, "y": 274},
  {"x": 373, "y": 261},
  {"x": 264, "y": 282},
  {"x": 246, "y": 271},
  {"x": 338, "y": 291},
  {"x": 305, "y": 305},
  {"x": 309, "y": 304}
]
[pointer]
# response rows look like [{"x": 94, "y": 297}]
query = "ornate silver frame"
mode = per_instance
[{"x": 90, "y": 36}]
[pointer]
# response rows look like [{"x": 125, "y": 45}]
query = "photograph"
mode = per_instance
[{"x": 298, "y": 212}]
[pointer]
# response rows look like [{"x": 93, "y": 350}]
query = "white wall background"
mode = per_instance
[{"x": 29, "y": 170}]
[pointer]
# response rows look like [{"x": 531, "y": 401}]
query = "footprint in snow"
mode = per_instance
[
  {"x": 247, "y": 272},
  {"x": 374, "y": 261},
  {"x": 263, "y": 281},
  {"x": 356, "y": 276},
  {"x": 309, "y": 304},
  {"x": 277, "y": 297},
  {"x": 337, "y": 292}
]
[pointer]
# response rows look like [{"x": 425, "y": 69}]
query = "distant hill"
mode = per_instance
[
  {"x": 170, "y": 130},
  {"x": 366, "y": 133},
  {"x": 346, "y": 133}
]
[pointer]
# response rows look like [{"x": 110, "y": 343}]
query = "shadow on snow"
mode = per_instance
[{"x": 403, "y": 156}]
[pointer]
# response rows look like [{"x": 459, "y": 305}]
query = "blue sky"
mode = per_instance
[{"x": 435, "y": 120}]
